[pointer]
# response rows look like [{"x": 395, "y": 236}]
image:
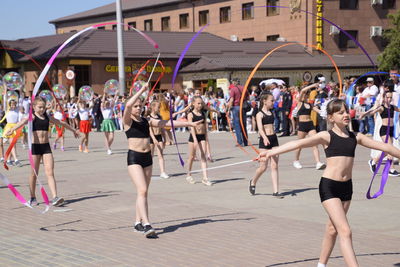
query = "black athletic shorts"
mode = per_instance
[
  {"x": 273, "y": 141},
  {"x": 40, "y": 149},
  {"x": 329, "y": 188},
  {"x": 199, "y": 137},
  {"x": 143, "y": 159},
  {"x": 306, "y": 126},
  {"x": 382, "y": 131},
  {"x": 158, "y": 138}
]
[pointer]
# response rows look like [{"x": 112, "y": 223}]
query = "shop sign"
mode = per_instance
[
  {"x": 318, "y": 25},
  {"x": 136, "y": 67}
]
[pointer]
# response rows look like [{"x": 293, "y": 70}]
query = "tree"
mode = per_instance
[{"x": 391, "y": 55}]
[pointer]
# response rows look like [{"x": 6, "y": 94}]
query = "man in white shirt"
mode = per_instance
[{"x": 370, "y": 92}]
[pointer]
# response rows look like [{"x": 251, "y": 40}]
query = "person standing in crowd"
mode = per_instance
[
  {"x": 294, "y": 92},
  {"x": 235, "y": 91},
  {"x": 222, "y": 110},
  {"x": 394, "y": 72},
  {"x": 369, "y": 93},
  {"x": 97, "y": 114},
  {"x": 276, "y": 92},
  {"x": 286, "y": 105},
  {"x": 319, "y": 102}
]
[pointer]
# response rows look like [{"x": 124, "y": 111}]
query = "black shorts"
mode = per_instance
[
  {"x": 306, "y": 126},
  {"x": 329, "y": 188},
  {"x": 158, "y": 138},
  {"x": 143, "y": 159},
  {"x": 40, "y": 149},
  {"x": 273, "y": 141},
  {"x": 199, "y": 137},
  {"x": 382, "y": 131}
]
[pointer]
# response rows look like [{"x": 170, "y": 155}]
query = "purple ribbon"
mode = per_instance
[
  {"x": 386, "y": 169},
  {"x": 178, "y": 64}
]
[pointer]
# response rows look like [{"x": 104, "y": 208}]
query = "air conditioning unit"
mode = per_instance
[
  {"x": 234, "y": 38},
  {"x": 376, "y": 2},
  {"x": 333, "y": 30},
  {"x": 375, "y": 31},
  {"x": 281, "y": 39}
]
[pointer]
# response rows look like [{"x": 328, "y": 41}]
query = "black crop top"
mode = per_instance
[
  {"x": 303, "y": 110},
  {"x": 267, "y": 119},
  {"x": 384, "y": 113},
  {"x": 198, "y": 118},
  {"x": 39, "y": 124},
  {"x": 341, "y": 146},
  {"x": 138, "y": 129}
]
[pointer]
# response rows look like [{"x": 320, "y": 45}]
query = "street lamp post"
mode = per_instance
[{"x": 121, "y": 64}]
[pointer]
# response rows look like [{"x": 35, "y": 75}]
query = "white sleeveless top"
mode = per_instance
[
  {"x": 58, "y": 115},
  {"x": 84, "y": 114},
  {"x": 12, "y": 116},
  {"x": 107, "y": 113}
]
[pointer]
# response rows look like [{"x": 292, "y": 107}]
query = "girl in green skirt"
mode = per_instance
[{"x": 108, "y": 125}]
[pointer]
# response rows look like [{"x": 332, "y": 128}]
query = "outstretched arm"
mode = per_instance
[
  {"x": 321, "y": 138},
  {"x": 17, "y": 126},
  {"x": 385, "y": 147},
  {"x": 182, "y": 111}
]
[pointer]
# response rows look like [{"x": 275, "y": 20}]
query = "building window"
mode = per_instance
[
  {"x": 225, "y": 14},
  {"x": 148, "y": 25},
  {"x": 248, "y": 39},
  {"x": 184, "y": 21},
  {"x": 132, "y": 24},
  {"x": 388, "y": 4},
  {"x": 203, "y": 17},
  {"x": 82, "y": 76},
  {"x": 101, "y": 28},
  {"x": 272, "y": 9},
  {"x": 114, "y": 27},
  {"x": 248, "y": 11},
  {"x": 348, "y": 4},
  {"x": 165, "y": 26},
  {"x": 345, "y": 42},
  {"x": 272, "y": 37}
]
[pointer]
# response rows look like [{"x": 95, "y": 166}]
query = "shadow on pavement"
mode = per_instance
[
  {"x": 173, "y": 228},
  {"x": 70, "y": 201},
  {"x": 291, "y": 193},
  {"x": 226, "y": 180},
  {"x": 336, "y": 257}
]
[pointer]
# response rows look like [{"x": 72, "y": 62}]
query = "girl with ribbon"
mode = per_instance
[
  {"x": 268, "y": 140},
  {"x": 306, "y": 126},
  {"x": 156, "y": 140},
  {"x": 84, "y": 124},
  {"x": 108, "y": 125},
  {"x": 197, "y": 139},
  {"x": 140, "y": 162},
  {"x": 12, "y": 118},
  {"x": 335, "y": 187},
  {"x": 386, "y": 111},
  {"x": 41, "y": 148}
]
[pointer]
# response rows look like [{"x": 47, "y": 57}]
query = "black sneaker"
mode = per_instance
[
  {"x": 277, "y": 195},
  {"x": 393, "y": 173},
  {"x": 33, "y": 202},
  {"x": 149, "y": 232},
  {"x": 57, "y": 201},
  {"x": 139, "y": 228},
  {"x": 252, "y": 189},
  {"x": 372, "y": 165}
]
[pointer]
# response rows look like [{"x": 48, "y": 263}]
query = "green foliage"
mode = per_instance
[{"x": 390, "y": 57}]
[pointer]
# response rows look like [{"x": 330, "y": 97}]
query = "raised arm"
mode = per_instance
[
  {"x": 305, "y": 89},
  {"x": 129, "y": 104}
]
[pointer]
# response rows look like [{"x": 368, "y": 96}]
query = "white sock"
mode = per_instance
[
  {"x": 321, "y": 265},
  {"x": 146, "y": 224},
  {"x": 136, "y": 223}
]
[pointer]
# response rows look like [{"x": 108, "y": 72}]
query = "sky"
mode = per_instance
[{"x": 30, "y": 18}]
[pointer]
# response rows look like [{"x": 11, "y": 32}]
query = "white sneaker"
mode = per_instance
[
  {"x": 297, "y": 164},
  {"x": 109, "y": 152},
  {"x": 320, "y": 166},
  {"x": 164, "y": 175},
  {"x": 190, "y": 180}
]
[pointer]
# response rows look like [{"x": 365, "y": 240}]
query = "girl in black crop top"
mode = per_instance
[
  {"x": 140, "y": 164},
  {"x": 336, "y": 185},
  {"x": 386, "y": 110},
  {"x": 41, "y": 148},
  {"x": 268, "y": 140},
  {"x": 306, "y": 126},
  {"x": 197, "y": 139}
]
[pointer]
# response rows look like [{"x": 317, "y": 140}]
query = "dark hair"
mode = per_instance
[
  {"x": 335, "y": 106},
  {"x": 389, "y": 84},
  {"x": 263, "y": 97}
]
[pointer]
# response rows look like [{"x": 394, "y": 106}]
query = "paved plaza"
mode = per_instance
[{"x": 222, "y": 225}]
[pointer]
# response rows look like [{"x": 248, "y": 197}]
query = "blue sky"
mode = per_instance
[{"x": 29, "y": 18}]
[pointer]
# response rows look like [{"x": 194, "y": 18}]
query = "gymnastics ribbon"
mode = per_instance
[
  {"x": 140, "y": 71},
  {"x": 259, "y": 64},
  {"x": 10, "y": 147},
  {"x": 14, "y": 191},
  {"x": 178, "y": 64},
  {"x": 386, "y": 169},
  {"x": 41, "y": 78}
]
